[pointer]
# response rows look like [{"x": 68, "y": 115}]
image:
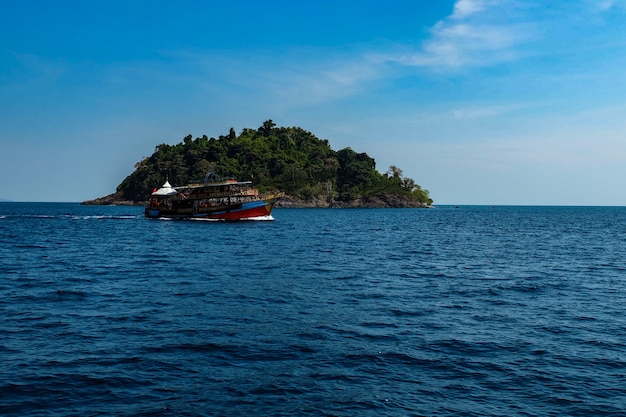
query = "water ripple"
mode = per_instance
[{"x": 448, "y": 312}]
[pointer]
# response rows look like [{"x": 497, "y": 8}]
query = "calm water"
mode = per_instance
[{"x": 475, "y": 311}]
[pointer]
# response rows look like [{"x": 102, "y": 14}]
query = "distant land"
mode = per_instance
[
  {"x": 288, "y": 159},
  {"x": 4, "y": 200}
]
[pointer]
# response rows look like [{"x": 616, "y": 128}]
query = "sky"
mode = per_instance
[{"x": 494, "y": 102}]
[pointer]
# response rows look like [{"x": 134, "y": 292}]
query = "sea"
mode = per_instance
[{"x": 449, "y": 311}]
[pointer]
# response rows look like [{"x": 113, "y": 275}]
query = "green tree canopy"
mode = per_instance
[{"x": 289, "y": 159}]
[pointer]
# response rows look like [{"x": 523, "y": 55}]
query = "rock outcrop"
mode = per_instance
[
  {"x": 378, "y": 201},
  {"x": 115, "y": 199}
]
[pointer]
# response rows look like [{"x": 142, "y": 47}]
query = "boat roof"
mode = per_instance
[
  {"x": 215, "y": 184},
  {"x": 166, "y": 189}
]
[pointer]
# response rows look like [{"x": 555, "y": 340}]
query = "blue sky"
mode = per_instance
[{"x": 479, "y": 101}]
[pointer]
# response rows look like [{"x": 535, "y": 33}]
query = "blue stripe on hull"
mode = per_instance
[{"x": 244, "y": 206}]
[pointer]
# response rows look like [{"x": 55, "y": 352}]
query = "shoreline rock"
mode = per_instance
[
  {"x": 378, "y": 201},
  {"x": 115, "y": 199}
]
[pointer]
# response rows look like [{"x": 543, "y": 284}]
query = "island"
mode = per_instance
[{"x": 286, "y": 159}]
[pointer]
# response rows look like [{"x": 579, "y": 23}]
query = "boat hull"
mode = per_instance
[{"x": 250, "y": 210}]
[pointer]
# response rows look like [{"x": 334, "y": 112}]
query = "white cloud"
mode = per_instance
[
  {"x": 604, "y": 5},
  {"x": 482, "y": 112},
  {"x": 302, "y": 77},
  {"x": 328, "y": 82},
  {"x": 477, "y": 33},
  {"x": 465, "y": 8}
]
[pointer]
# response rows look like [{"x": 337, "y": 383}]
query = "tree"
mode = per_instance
[
  {"x": 394, "y": 171},
  {"x": 267, "y": 127}
]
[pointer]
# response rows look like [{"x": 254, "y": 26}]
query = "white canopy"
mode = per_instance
[{"x": 166, "y": 189}]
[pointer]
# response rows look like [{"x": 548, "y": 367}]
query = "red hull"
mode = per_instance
[
  {"x": 249, "y": 210},
  {"x": 242, "y": 214}
]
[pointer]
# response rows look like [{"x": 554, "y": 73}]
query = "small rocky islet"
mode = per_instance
[{"x": 287, "y": 159}]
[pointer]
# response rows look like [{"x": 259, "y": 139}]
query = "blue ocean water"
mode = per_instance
[{"x": 469, "y": 311}]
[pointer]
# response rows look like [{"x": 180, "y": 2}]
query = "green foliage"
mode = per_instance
[{"x": 288, "y": 159}]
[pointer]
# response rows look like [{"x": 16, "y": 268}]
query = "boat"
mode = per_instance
[{"x": 213, "y": 199}]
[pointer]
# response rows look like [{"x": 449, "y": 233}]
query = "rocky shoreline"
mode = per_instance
[
  {"x": 115, "y": 199},
  {"x": 378, "y": 201}
]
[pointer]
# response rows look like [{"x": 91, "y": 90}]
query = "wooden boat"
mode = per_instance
[{"x": 214, "y": 199}]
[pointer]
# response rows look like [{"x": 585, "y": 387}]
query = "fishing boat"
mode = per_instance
[{"x": 213, "y": 199}]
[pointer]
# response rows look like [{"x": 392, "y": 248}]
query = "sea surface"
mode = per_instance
[{"x": 468, "y": 311}]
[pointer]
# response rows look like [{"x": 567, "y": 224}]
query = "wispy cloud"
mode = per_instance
[
  {"x": 329, "y": 81},
  {"x": 302, "y": 78},
  {"x": 482, "y": 112},
  {"x": 477, "y": 33},
  {"x": 36, "y": 69},
  {"x": 465, "y": 8},
  {"x": 604, "y": 5}
]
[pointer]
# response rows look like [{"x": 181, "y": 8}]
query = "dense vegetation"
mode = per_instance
[{"x": 288, "y": 159}]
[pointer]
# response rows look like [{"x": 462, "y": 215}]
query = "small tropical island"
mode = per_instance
[{"x": 286, "y": 159}]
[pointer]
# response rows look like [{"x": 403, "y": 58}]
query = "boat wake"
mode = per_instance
[
  {"x": 112, "y": 217},
  {"x": 253, "y": 219},
  {"x": 268, "y": 218},
  {"x": 74, "y": 217}
]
